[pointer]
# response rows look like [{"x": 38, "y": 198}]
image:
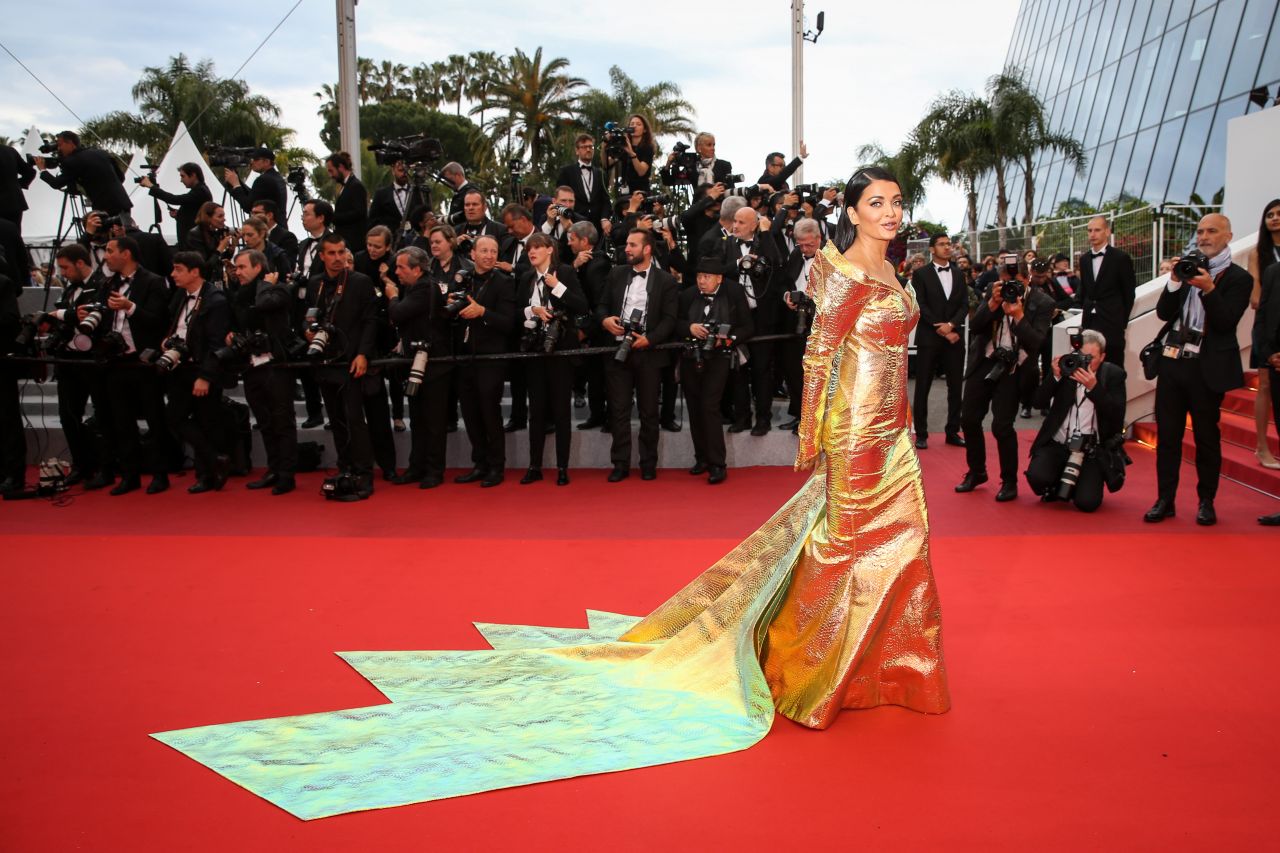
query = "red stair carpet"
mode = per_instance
[{"x": 1114, "y": 683}]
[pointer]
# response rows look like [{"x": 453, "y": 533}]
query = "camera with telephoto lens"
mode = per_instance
[
  {"x": 805, "y": 309},
  {"x": 92, "y": 319},
  {"x": 343, "y": 487},
  {"x": 171, "y": 353},
  {"x": 1005, "y": 360},
  {"x": 1078, "y": 447},
  {"x": 417, "y": 148},
  {"x": 1012, "y": 291},
  {"x": 322, "y": 334},
  {"x": 230, "y": 157},
  {"x": 632, "y": 326},
  {"x": 719, "y": 337},
  {"x": 456, "y": 297},
  {"x": 647, "y": 204},
  {"x": 106, "y": 223},
  {"x": 242, "y": 346},
  {"x": 418, "y": 369},
  {"x": 1190, "y": 265}
]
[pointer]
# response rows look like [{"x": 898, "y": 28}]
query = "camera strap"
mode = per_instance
[
  {"x": 185, "y": 312},
  {"x": 331, "y": 308}
]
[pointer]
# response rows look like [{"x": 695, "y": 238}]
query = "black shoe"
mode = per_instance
[
  {"x": 533, "y": 475},
  {"x": 579, "y": 401},
  {"x": 922, "y": 442},
  {"x": 592, "y": 423},
  {"x": 1159, "y": 511},
  {"x": 389, "y": 475},
  {"x": 670, "y": 426},
  {"x": 11, "y": 486},
  {"x": 494, "y": 478},
  {"x": 791, "y": 424},
  {"x": 619, "y": 473},
  {"x": 648, "y": 472},
  {"x": 471, "y": 476},
  {"x": 1205, "y": 515},
  {"x": 159, "y": 483},
  {"x": 99, "y": 480},
  {"x": 200, "y": 486},
  {"x": 298, "y": 394},
  {"x": 1008, "y": 492},
  {"x": 221, "y": 470},
  {"x": 407, "y": 478},
  {"x": 761, "y": 428},
  {"x": 312, "y": 422},
  {"x": 1269, "y": 520},
  {"x": 1025, "y": 413},
  {"x": 740, "y": 426},
  {"x": 698, "y": 469},
  {"x": 955, "y": 440},
  {"x": 970, "y": 482},
  {"x": 74, "y": 478},
  {"x": 562, "y": 476},
  {"x": 513, "y": 426},
  {"x": 283, "y": 486},
  {"x": 126, "y": 485},
  {"x": 431, "y": 481},
  {"x": 718, "y": 475},
  {"x": 268, "y": 479}
]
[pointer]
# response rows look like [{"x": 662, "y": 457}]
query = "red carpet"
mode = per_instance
[{"x": 1113, "y": 682}]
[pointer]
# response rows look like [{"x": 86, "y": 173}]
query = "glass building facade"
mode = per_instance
[{"x": 1146, "y": 86}]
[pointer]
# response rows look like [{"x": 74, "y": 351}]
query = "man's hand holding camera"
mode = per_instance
[
  {"x": 231, "y": 177},
  {"x": 1202, "y": 282},
  {"x": 116, "y": 302},
  {"x": 473, "y": 311},
  {"x": 1014, "y": 309},
  {"x": 699, "y": 331},
  {"x": 612, "y": 325}
]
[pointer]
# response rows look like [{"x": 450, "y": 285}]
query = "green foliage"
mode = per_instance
[{"x": 396, "y": 118}]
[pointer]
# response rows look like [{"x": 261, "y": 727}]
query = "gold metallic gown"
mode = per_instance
[{"x": 830, "y": 604}]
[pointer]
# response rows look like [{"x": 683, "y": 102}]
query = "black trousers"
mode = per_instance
[
  {"x": 790, "y": 355},
  {"x": 1181, "y": 391},
  {"x": 344, "y": 401},
  {"x": 668, "y": 393},
  {"x": 199, "y": 421},
  {"x": 1001, "y": 398},
  {"x": 1113, "y": 332},
  {"x": 269, "y": 393},
  {"x": 1032, "y": 372},
  {"x": 951, "y": 358},
  {"x": 138, "y": 393},
  {"x": 550, "y": 384},
  {"x": 703, "y": 390},
  {"x": 13, "y": 440},
  {"x": 480, "y": 393},
  {"x": 755, "y": 385},
  {"x": 597, "y": 394},
  {"x": 640, "y": 375},
  {"x": 396, "y": 378},
  {"x": 1275, "y": 396},
  {"x": 429, "y": 423},
  {"x": 519, "y": 391},
  {"x": 76, "y": 387},
  {"x": 377, "y": 414},
  {"x": 311, "y": 393},
  {"x": 1044, "y": 472}
]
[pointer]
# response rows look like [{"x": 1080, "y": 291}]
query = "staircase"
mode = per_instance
[{"x": 1238, "y": 440}]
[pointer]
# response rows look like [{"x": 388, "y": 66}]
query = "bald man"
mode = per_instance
[
  {"x": 1107, "y": 287},
  {"x": 1200, "y": 362}
]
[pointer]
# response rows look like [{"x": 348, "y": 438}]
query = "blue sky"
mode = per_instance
[{"x": 868, "y": 78}]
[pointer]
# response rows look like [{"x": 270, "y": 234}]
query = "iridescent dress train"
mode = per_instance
[{"x": 831, "y": 604}]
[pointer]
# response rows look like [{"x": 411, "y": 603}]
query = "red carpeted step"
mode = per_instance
[
  {"x": 1251, "y": 380},
  {"x": 1238, "y": 463},
  {"x": 1240, "y": 401},
  {"x": 1241, "y": 431}
]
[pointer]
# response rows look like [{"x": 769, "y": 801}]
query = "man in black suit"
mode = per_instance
[
  {"x": 1107, "y": 288},
  {"x": 1087, "y": 407},
  {"x": 944, "y": 306},
  {"x": 1200, "y": 362},
  {"x": 591, "y": 197},
  {"x": 777, "y": 170},
  {"x": 561, "y": 216},
  {"x": 593, "y": 271},
  {"x": 512, "y": 253},
  {"x": 13, "y": 440},
  {"x": 416, "y": 307},
  {"x": 16, "y": 255},
  {"x": 793, "y": 279},
  {"x": 636, "y": 290},
  {"x": 188, "y": 203},
  {"x": 700, "y": 219},
  {"x": 484, "y": 327},
  {"x": 317, "y": 220},
  {"x": 345, "y": 300},
  {"x": 393, "y": 205},
  {"x": 710, "y": 169},
  {"x": 277, "y": 234},
  {"x": 16, "y": 174},
  {"x": 200, "y": 316},
  {"x": 94, "y": 171},
  {"x": 715, "y": 309},
  {"x": 476, "y": 221},
  {"x": 77, "y": 386},
  {"x": 764, "y": 298},
  {"x": 1269, "y": 350},
  {"x": 268, "y": 185},
  {"x": 138, "y": 310},
  {"x": 456, "y": 178},
  {"x": 1005, "y": 333},
  {"x": 351, "y": 209}
]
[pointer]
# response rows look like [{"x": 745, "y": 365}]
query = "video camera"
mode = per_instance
[
  {"x": 49, "y": 151},
  {"x": 150, "y": 173},
  {"x": 615, "y": 137},
  {"x": 632, "y": 326},
  {"x": 297, "y": 179},
  {"x": 418, "y": 148},
  {"x": 683, "y": 170},
  {"x": 230, "y": 157}
]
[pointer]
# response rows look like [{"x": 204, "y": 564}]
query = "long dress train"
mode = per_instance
[{"x": 830, "y": 604}]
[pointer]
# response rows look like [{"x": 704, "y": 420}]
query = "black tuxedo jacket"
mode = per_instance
[
  {"x": 1268, "y": 341},
  {"x": 721, "y": 171},
  {"x": 660, "y": 322},
  {"x": 728, "y": 305},
  {"x": 188, "y": 205},
  {"x": 355, "y": 314},
  {"x": 206, "y": 329},
  {"x": 1029, "y": 333},
  {"x": 779, "y": 181},
  {"x": 288, "y": 243},
  {"x": 262, "y": 306},
  {"x": 383, "y": 209},
  {"x": 594, "y": 205},
  {"x": 768, "y": 289},
  {"x": 507, "y": 252},
  {"x": 418, "y": 315},
  {"x": 490, "y": 333},
  {"x": 1108, "y": 300},
  {"x": 455, "y": 204},
  {"x": 351, "y": 213},
  {"x": 17, "y": 260},
  {"x": 573, "y": 301},
  {"x": 94, "y": 171},
  {"x": 791, "y": 270},
  {"x": 268, "y": 186},
  {"x": 1223, "y": 308},
  {"x": 1108, "y": 398},
  {"x": 150, "y": 294},
  {"x": 936, "y": 307},
  {"x": 496, "y": 230},
  {"x": 16, "y": 174},
  {"x": 592, "y": 276}
]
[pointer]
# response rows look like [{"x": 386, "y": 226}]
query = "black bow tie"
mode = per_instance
[
  {"x": 636, "y": 274},
  {"x": 1099, "y": 254},
  {"x": 584, "y": 166},
  {"x": 944, "y": 269}
]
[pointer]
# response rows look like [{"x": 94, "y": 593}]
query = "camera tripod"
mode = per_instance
[{"x": 70, "y": 199}]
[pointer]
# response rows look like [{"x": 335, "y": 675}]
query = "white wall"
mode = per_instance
[{"x": 1252, "y": 179}]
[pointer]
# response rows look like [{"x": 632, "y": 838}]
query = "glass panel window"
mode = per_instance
[
  {"x": 1086, "y": 45},
  {"x": 1073, "y": 101},
  {"x": 1213, "y": 165},
  {"x": 1146, "y": 69},
  {"x": 1137, "y": 24},
  {"x": 1092, "y": 100},
  {"x": 1190, "y": 152},
  {"x": 1101, "y": 161},
  {"x": 1252, "y": 38},
  {"x": 1106, "y": 32},
  {"x": 1114, "y": 185},
  {"x": 1162, "y": 160},
  {"x": 1119, "y": 102},
  {"x": 1106, "y": 91},
  {"x": 1218, "y": 52},
  {"x": 1061, "y": 50},
  {"x": 1170, "y": 50},
  {"x": 1047, "y": 190},
  {"x": 1200, "y": 4},
  {"x": 1124, "y": 14},
  {"x": 1159, "y": 19},
  {"x": 1190, "y": 59},
  {"x": 1139, "y": 164}
]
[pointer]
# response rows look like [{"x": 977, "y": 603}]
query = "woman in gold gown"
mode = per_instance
[{"x": 831, "y": 604}]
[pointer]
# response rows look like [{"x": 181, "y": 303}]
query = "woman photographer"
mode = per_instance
[
  {"x": 212, "y": 240},
  {"x": 254, "y": 236},
  {"x": 636, "y": 163}
]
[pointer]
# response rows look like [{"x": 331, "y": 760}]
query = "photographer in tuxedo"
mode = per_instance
[
  {"x": 710, "y": 169},
  {"x": 416, "y": 307},
  {"x": 13, "y": 440},
  {"x": 278, "y": 234},
  {"x": 644, "y": 299},
  {"x": 753, "y": 258},
  {"x": 262, "y": 313},
  {"x": 712, "y": 315},
  {"x": 138, "y": 309},
  {"x": 200, "y": 316},
  {"x": 1107, "y": 288},
  {"x": 514, "y": 254},
  {"x": 591, "y": 199},
  {"x": 484, "y": 327},
  {"x": 944, "y": 306},
  {"x": 700, "y": 219},
  {"x": 393, "y": 205},
  {"x": 794, "y": 280},
  {"x": 456, "y": 178},
  {"x": 344, "y": 307},
  {"x": 1086, "y": 419},
  {"x": 268, "y": 186},
  {"x": 1201, "y": 306},
  {"x": 592, "y": 271},
  {"x": 351, "y": 208},
  {"x": 16, "y": 174},
  {"x": 317, "y": 221},
  {"x": 76, "y": 386},
  {"x": 777, "y": 171},
  {"x": 188, "y": 203},
  {"x": 1008, "y": 328},
  {"x": 551, "y": 303},
  {"x": 92, "y": 170},
  {"x": 476, "y": 221}
]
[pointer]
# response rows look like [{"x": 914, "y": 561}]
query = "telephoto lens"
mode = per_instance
[
  {"x": 417, "y": 370},
  {"x": 91, "y": 320},
  {"x": 319, "y": 343}
]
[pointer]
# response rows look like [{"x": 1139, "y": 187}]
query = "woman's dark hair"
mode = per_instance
[
  {"x": 863, "y": 178},
  {"x": 205, "y": 214},
  {"x": 646, "y": 138},
  {"x": 194, "y": 170},
  {"x": 1266, "y": 243}
]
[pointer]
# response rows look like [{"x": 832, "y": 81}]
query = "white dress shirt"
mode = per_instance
[
  {"x": 944, "y": 276},
  {"x": 1082, "y": 418},
  {"x": 637, "y": 296}
]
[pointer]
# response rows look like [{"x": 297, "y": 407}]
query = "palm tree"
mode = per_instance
[
  {"x": 388, "y": 81},
  {"x": 457, "y": 71},
  {"x": 533, "y": 103},
  {"x": 662, "y": 105},
  {"x": 486, "y": 70},
  {"x": 426, "y": 85},
  {"x": 910, "y": 166},
  {"x": 365, "y": 70},
  {"x": 328, "y": 96},
  {"x": 948, "y": 134}
]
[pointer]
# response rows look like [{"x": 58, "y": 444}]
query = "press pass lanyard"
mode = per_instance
[
  {"x": 185, "y": 314},
  {"x": 337, "y": 296}
]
